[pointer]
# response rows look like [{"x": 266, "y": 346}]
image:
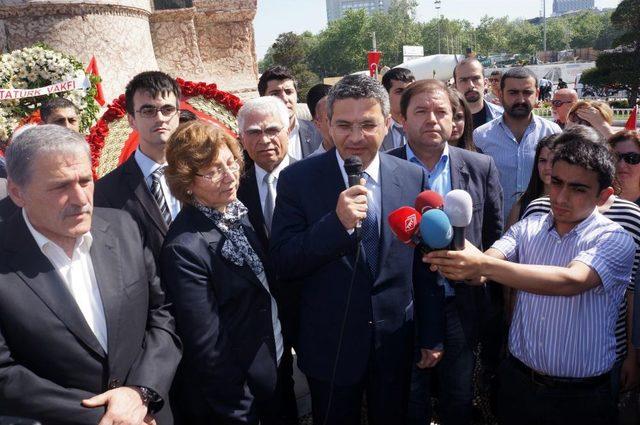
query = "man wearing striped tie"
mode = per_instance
[
  {"x": 570, "y": 268},
  {"x": 138, "y": 185}
]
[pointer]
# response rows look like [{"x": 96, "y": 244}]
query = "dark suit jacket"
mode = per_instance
[
  {"x": 311, "y": 249},
  {"x": 310, "y": 137},
  {"x": 477, "y": 174},
  {"x": 49, "y": 358},
  {"x": 223, "y": 315},
  {"x": 125, "y": 189}
]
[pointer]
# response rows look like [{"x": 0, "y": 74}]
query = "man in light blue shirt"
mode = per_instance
[
  {"x": 511, "y": 139},
  {"x": 570, "y": 269}
]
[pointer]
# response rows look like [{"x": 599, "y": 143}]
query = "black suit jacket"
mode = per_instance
[
  {"x": 125, "y": 189},
  {"x": 477, "y": 174},
  {"x": 49, "y": 358},
  {"x": 312, "y": 250},
  {"x": 223, "y": 315}
]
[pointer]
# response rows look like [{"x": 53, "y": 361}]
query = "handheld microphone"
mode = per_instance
[
  {"x": 428, "y": 199},
  {"x": 435, "y": 229},
  {"x": 353, "y": 168},
  {"x": 404, "y": 223},
  {"x": 458, "y": 206}
]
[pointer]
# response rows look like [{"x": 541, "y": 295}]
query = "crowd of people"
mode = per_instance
[{"x": 183, "y": 286}]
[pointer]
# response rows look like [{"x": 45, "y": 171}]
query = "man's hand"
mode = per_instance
[
  {"x": 458, "y": 265},
  {"x": 124, "y": 407},
  {"x": 429, "y": 358},
  {"x": 352, "y": 205},
  {"x": 629, "y": 373},
  {"x": 149, "y": 420}
]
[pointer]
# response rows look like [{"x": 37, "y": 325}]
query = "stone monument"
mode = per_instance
[{"x": 199, "y": 40}]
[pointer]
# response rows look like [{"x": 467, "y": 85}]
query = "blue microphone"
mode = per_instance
[{"x": 436, "y": 229}]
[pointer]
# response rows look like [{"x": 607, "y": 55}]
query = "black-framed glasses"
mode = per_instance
[
  {"x": 218, "y": 173},
  {"x": 631, "y": 158},
  {"x": 149, "y": 111},
  {"x": 558, "y": 103}
]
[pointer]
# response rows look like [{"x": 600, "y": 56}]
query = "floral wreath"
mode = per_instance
[
  {"x": 40, "y": 66},
  {"x": 112, "y": 141}
]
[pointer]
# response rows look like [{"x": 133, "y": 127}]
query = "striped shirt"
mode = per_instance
[
  {"x": 627, "y": 215},
  {"x": 514, "y": 159},
  {"x": 569, "y": 336}
]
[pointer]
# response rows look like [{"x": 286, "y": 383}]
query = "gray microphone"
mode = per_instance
[{"x": 459, "y": 208}]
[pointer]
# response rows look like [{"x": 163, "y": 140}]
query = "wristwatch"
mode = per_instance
[{"x": 150, "y": 398}]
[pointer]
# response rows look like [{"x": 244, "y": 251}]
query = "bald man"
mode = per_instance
[{"x": 561, "y": 104}]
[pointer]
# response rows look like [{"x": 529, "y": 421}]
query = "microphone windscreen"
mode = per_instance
[
  {"x": 459, "y": 207},
  {"x": 353, "y": 165},
  {"x": 436, "y": 229},
  {"x": 427, "y": 200},
  {"x": 404, "y": 223}
]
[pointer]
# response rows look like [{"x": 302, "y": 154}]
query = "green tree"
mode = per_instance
[
  {"x": 586, "y": 27},
  {"x": 492, "y": 35},
  {"x": 620, "y": 68}
]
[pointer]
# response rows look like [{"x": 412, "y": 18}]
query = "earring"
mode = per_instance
[{"x": 189, "y": 192}]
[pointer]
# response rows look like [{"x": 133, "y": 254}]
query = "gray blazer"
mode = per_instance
[{"x": 310, "y": 137}]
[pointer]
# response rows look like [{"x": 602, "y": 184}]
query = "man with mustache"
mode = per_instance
[
  {"x": 469, "y": 77},
  {"x": 85, "y": 334},
  {"x": 138, "y": 185},
  {"x": 511, "y": 139}
]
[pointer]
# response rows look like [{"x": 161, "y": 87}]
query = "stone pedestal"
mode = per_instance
[{"x": 116, "y": 32}]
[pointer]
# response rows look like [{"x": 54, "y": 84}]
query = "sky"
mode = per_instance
[{"x": 277, "y": 16}]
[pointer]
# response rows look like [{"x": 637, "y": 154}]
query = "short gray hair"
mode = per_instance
[
  {"x": 358, "y": 86},
  {"x": 36, "y": 141},
  {"x": 268, "y": 105}
]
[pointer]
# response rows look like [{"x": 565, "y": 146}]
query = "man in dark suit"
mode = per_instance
[
  {"x": 85, "y": 334},
  {"x": 304, "y": 138},
  {"x": 263, "y": 124},
  {"x": 356, "y": 310},
  {"x": 138, "y": 185},
  {"x": 396, "y": 80},
  {"x": 448, "y": 315}
]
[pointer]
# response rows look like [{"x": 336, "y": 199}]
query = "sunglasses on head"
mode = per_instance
[
  {"x": 558, "y": 103},
  {"x": 630, "y": 158}
]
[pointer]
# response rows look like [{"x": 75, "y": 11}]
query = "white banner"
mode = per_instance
[{"x": 75, "y": 84}]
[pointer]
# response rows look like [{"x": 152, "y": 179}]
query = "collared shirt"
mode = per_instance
[
  {"x": 262, "y": 185},
  {"x": 295, "y": 148},
  {"x": 78, "y": 276},
  {"x": 439, "y": 181},
  {"x": 397, "y": 132},
  {"x": 513, "y": 159},
  {"x": 569, "y": 336},
  {"x": 319, "y": 151},
  {"x": 374, "y": 197},
  {"x": 148, "y": 166}
]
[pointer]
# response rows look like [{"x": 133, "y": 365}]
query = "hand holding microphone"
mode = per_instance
[{"x": 352, "y": 202}]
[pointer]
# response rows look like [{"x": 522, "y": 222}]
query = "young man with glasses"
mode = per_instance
[
  {"x": 138, "y": 185},
  {"x": 561, "y": 104}
]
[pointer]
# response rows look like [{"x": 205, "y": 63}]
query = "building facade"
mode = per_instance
[
  {"x": 337, "y": 8},
  {"x": 565, "y": 6}
]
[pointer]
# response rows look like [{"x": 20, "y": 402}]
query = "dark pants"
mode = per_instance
[
  {"x": 526, "y": 401},
  {"x": 386, "y": 399},
  {"x": 453, "y": 376},
  {"x": 281, "y": 409}
]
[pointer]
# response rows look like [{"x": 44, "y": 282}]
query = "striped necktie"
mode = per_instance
[
  {"x": 156, "y": 191},
  {"x": 370, "y": 236}
]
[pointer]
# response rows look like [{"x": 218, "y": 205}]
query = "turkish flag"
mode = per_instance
[
  {"x": 374, "y": 62},
  {"x": 92, "y": 69},
  {"x": 631, "y": 122}
]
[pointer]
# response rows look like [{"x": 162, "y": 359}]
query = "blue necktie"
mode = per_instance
[{"x": 370, "y": 238}]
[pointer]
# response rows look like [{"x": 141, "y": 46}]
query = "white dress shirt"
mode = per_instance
[
  {"x": 263, "y": 186},
  {"x": 295, "y": 147},
  {"x": 79, "y": 277},
  {"x": 374, "y": 197},
  {"x": 148, "y": 166}
]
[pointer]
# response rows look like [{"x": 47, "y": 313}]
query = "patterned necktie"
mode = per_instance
[
  {"x": 156, "y": 191},
  {"x": 370, "y": 236},
  {"x": 269, "y": 202}
]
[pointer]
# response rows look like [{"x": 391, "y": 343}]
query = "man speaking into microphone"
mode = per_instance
[
  {"x": 448, "y": 317},
  {"x": 332, "y": 240}
]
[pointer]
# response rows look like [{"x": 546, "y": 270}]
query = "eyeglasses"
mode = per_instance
[
  {"x": 631, "y": 158},
  {"x": 270, "y": 132},
  {"x": 344, "y": 129},
  {"x": 559, "y": 103},
  {"x": 149, "y": 111},
  {"x": 219, "y": 172}
]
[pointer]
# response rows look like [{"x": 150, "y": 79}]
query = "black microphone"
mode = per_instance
[{"x": 353, "y": 168}]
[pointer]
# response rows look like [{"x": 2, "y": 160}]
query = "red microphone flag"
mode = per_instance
[
  {"x": 92, "y": 69},
  {"x": 428, "y": 199},
  {"x": 631, "y": 122},
  {"x": 404, "y": 223}
]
